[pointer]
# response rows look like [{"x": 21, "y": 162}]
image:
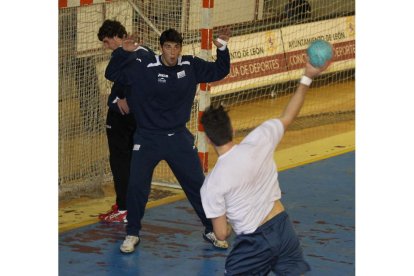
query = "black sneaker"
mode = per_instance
[{"x": 210, "y": 237}]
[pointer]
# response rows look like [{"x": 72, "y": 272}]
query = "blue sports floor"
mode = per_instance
[{"x": 319, "y": 197}]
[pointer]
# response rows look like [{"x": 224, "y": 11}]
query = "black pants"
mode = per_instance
[
  {"x": 178, "y": 150},
  {"x": 120, "y": 132}
]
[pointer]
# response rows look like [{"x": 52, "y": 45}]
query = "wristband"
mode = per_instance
[
  {"x": 222, "y": 42},
  {"x": 305, "y": 80}
]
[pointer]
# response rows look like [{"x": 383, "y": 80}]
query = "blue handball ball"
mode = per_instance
[{"x": 319, "y": 52}]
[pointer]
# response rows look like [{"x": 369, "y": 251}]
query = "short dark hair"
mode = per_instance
[
  {"x": 171, "y": 35},
  {"x": 110, "y": 29},
  {"x": 217, "y": 125}
]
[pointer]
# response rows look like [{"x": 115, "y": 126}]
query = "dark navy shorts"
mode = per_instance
[{"x": 274, "y": 246}]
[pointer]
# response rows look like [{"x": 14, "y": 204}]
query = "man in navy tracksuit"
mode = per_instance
[{"x": 163, "y": 88}]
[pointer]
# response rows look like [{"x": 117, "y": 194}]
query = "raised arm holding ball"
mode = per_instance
[{"x": 242, "y": 190}]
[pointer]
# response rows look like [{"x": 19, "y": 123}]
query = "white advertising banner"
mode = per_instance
[{"x": 279, "y": 55}]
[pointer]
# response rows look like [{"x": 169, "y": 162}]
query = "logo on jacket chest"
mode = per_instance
[
  {"x": 162, "y": 78},
  {"x": 180, "y": 74}
]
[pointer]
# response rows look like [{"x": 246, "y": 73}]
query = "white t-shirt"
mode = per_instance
[{"x": 244, "y": 182}]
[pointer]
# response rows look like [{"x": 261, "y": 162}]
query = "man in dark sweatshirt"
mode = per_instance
[
  {"x": 163, "y": 88},
  {"x": 120, "y": 127}
]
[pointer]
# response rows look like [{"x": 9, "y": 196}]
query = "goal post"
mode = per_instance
[
  {"x": 206, "y": 31},
  {"x": 267, "y": 57}
]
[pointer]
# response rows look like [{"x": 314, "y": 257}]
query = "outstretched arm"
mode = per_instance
[
  {"x": 119, "y": 60},
  {"x": 295, "y": 104},
  {"x": 215, "y": 71},
  {"x": 122, "y": 58}
]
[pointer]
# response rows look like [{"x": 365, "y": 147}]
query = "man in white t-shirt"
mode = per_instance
[{"x": 243, "y": 189}]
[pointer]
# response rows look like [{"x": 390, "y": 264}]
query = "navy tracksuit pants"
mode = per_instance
[{"x": 178, "y": 150}]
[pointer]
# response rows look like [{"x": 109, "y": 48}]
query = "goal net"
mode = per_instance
[{"x": 267, "y": 50}]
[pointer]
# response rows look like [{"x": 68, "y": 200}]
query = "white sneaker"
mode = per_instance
[
  {"x": 128, "y": 246},
  {"x": 211, "y": 237}
]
